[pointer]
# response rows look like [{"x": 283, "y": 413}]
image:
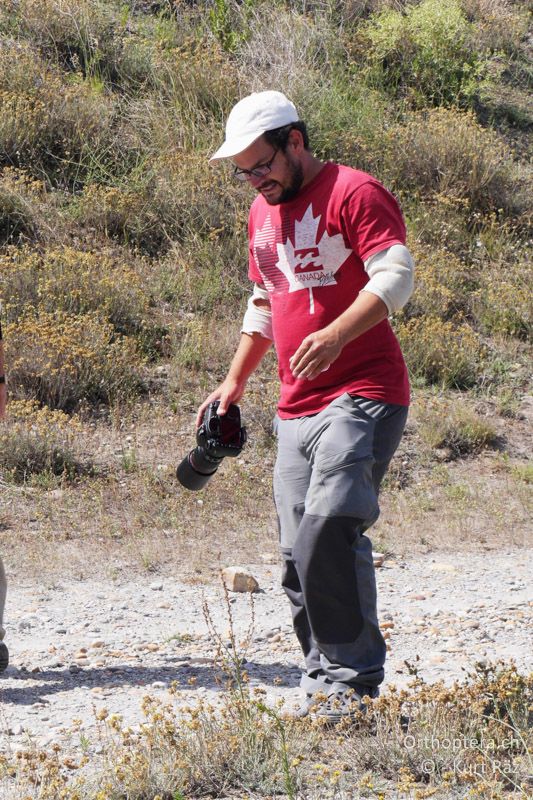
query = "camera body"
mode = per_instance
[{"x": 216, "y": 438}]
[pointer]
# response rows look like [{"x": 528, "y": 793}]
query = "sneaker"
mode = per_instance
[
  {"x": 4, "y": 656},
  {"x": 309, "y": 704},
  {"x": 344, "y": 702}
]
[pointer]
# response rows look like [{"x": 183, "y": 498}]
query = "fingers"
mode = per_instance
[
  {"x": 225, "y": 401},
  {"x": 201, "y": 411},
  {"x": 313, "y": 370},
  {"x": 301, "y": 359},
  {"x": 226, "y": 395},
  {"x": 313, "y": 357},
  {"x": 307, "y": 364}
]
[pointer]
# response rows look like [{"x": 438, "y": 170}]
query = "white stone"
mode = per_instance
[{"x": 239, "y": 580}]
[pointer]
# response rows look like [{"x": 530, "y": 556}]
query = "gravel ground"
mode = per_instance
[{"x": 79, "y": 647}]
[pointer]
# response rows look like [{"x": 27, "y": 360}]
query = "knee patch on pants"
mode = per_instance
[{"x": 325, "y": 561}]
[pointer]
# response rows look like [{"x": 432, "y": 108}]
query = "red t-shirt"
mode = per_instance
[{"x": 308, "y": 254}]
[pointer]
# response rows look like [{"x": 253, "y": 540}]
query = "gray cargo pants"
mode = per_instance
[{"x": 326, "y": 483}]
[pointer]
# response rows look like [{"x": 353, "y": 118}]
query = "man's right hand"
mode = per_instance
[{"x": 229, "y": 391}]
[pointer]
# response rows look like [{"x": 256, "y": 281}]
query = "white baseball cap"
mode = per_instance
[{"x": 251, "y": 117}]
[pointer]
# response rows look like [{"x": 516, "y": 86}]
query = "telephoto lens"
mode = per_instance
[
  {"x": 195, "y": 471},
  {"x": 216, "y": 438}
]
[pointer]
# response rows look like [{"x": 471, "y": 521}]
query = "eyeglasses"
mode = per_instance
[{"x": 258, "y": 172}]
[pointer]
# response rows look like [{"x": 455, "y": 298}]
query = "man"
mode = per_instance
[
  {"x": 328, "y": 260},
  {"x": 4, "y": 654}
]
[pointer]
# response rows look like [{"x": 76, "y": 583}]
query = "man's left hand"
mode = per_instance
[{"x": 315, "y": 354}]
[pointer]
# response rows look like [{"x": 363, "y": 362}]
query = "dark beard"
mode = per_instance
[{"x": 290, "y": 191}]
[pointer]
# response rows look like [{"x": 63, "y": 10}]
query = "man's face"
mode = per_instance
[{"x": 286, "y": 175}]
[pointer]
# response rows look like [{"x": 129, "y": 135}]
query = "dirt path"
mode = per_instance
[{"x": 79, "y": 647}]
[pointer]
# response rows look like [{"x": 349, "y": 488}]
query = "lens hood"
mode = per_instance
[{"x": 190, "y": 476}]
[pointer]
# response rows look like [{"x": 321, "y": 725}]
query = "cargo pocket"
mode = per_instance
[{"x": 349, "y": 489}]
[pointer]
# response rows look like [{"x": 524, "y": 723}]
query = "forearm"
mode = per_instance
[
  {"x": 249, "y": 354},
  {"x": 366, "y": 311}
]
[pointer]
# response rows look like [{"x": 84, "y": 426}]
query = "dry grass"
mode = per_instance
[
  {"x": 428, "y": 740},
  {"x": 76, "y": 282},
  {"x": 27, "y": 211},
  {"x": 501, "y": 24},
  {"x": 132, "y": 515},
  {"x": 50, "y": 125},
  {"x": 454, "y": 426},
  {"x": 450, "y": 354},
  {"x": 503, "y": 302},
  {"x": 453, "y": 508},
  {"x": 41, "y": 444}
]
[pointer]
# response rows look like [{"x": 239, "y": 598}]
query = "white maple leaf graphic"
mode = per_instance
[{"x": 310, "y": 263}]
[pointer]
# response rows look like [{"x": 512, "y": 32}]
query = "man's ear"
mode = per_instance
[{"x": 296, "y": 140}]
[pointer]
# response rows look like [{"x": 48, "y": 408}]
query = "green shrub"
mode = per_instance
[
  {"x": 441, "y": 284},
  {"x": 179, "y": 197},
  {"x": 447, "y": 153},
  {"x": 425, "y": 53},
  {"x": 49, "y": 123},
  {"x": 229, "y": 22},
  {"x": 21, "y": 205},
  {"x": 448, "y": 353},
  {"x": 455, "y": 426},
  {"x": 38, "y": 442},
  {"x": 504, "y": 304},
  {"x": 61, "y": 360}
]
